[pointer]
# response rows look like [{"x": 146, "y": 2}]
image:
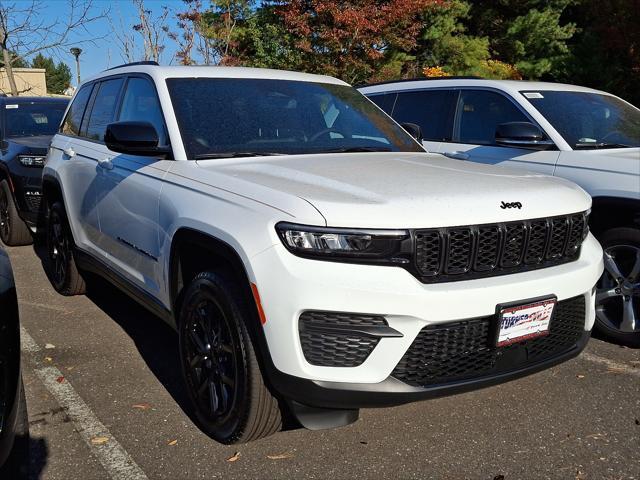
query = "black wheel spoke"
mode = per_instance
[{"x": 210, "y": 357}]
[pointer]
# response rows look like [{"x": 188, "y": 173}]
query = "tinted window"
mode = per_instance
[
  {"x": 26, "y": 119},
  {"x": 589, "y": 120},
  {"x": 384, "y": 101},
  {"x": 480, "y": 112},
  {"x": 73, "y": 120},
  {"x": 141, "y": 104},
  {"x": 431, "y": 109},
  {"x": 103, "y": 108},
  {"x": 223, "y": 117}
]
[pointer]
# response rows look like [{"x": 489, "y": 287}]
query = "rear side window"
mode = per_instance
[
  {"x": 104, "y": 107},
  {"x": 431, "y": 109},
  {"x": 141, "y": 104},
  {"x": 480, "y": 112},
  {"x": 385, "y": 101},
  {"x": 72, "y": 121}
]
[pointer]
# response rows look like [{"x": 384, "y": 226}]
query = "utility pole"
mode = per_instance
[{"x": 75, "y": 51}]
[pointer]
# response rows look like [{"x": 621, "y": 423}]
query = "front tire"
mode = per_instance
[
  {"x": 230, "y": 400},
  {"x": 13, "y": 231},
  {"x": 618, "y": 290},
  {"x": 61, "y": 265}
]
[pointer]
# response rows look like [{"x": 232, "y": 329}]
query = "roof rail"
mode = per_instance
[
  {"x": 146, "y": 62},
  {"x": 419, "y": 79}
]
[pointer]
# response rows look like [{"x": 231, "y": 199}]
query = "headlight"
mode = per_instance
[
  {"x": 355, "y": 245},
  {"x": 31, "y": 160}
]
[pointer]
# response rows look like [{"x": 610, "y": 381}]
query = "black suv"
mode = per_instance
[{"x": 26, "y": 127}]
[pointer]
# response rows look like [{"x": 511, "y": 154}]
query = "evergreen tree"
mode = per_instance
[{"x": 58, "y": 76}]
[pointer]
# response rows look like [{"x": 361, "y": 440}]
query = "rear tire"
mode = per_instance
[
  {"x": 61, "y": 265},
  {"x": 13, "y": 231},
  {"x": 618, "y": 290},
  {"x": 230, "y": 400}
]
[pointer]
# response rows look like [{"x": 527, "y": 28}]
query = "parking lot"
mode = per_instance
[{"x": 105, "y": 400}]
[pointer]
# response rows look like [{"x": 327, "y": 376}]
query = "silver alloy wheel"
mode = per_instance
[{"x": 618, "y": 290}]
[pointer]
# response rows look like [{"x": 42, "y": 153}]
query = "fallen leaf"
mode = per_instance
[
  {"x": 60, "y": 379},
  {"x": 49, "y": 346},
  {"x": 99, "y": 440},
  {"x": 172, "y": 443},
  {"x": 234, "y": 457},
  {"x": 48, "y": 359},
  {"x": 280, "y": 456},
  {"x": 69, "y": 368},
  {"x": 498, "y": 477},
  {"x": 637, "y": 421},
  {"x": 579, "y": 376},
  {"x": 141, "y": 406},
  {"x": 364, "y": 443}
]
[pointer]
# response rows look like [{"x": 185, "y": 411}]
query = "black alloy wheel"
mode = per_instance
[
  {"x": 230, "y": 400},
  {"x": 62, "y": 269}
]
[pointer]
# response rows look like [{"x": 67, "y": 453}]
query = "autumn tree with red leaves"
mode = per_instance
[{"x": 352, "y": 40}]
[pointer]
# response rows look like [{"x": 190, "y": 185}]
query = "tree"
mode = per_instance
[
  {"x": 153, "y": 30},
  {"x": 445, "y": 44},
  {"x": 24, "y": 32},
  {"x": 58, "y": 76},
  {"x": 605, "y": 54},
  {"x": 352, "y": 39},
  {"x": 529, "y": 34}
]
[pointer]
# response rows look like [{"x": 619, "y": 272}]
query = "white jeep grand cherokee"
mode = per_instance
[{"x": 308, "y": 251}]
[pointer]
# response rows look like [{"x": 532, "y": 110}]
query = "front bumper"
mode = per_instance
[
  {"x": 289, "y": 285},
  {"x": 391, "y": 391}
]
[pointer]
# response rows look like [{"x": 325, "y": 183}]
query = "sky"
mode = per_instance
[{"x": 104, "y": 52}]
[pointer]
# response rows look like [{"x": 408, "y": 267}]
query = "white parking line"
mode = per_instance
[
  {"x": 620, "y": 367},
  {"x": 113, "y": 457}
]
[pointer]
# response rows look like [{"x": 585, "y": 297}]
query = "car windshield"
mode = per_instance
[
  {"x": 589, "y": 120},
  {"x": 222, "y": 117},
  {"x": 28, "y": 119}
]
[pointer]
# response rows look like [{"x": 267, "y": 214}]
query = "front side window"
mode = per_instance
[
  {"x": 72, "y": 121},
  {"x": 223, "y": 117},
  {"x": 384, "y": 100},
  {"x": 589, "y": 120},
  {"x": 431, "y": 109},
  {"x": 104, "y": 108},
  {"x": 29, "y": 119},
  {"x": 140, "y": 104},
  {"x": 480, "y": 112}
]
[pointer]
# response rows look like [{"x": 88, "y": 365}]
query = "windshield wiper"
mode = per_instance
[
  {"x": 356, "y": 149},
  {"x": 594, "y": 145},
  {"x": 213, "y": 155}
]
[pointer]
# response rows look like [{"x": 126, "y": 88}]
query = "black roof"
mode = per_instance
[
  {"x": 132, "y": 64},
  {"x": 420, "y": 79}
]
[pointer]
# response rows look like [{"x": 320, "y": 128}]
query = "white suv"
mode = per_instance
[
  {"x": 306, "y": 248},
  {"x": 587, "y": 136}
]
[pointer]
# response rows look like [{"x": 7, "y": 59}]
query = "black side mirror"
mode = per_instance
[
  {"x": 522, "y": 135},
  {"x": 414, "y": 130},
  {"x": 135, "y": 138}
]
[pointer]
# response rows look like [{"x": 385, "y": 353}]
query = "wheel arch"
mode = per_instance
[
  {"x": 192, "y": 252},
  {"x": 612, "y": 212}
]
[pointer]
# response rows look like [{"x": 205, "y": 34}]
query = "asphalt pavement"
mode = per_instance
[{"x": 106, "y": 401}]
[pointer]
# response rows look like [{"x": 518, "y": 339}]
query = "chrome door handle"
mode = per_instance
[
  {"x": 69, "y": 152},
  {"x": 106, "y": 163},
  {"x": 457, "y": 155}
]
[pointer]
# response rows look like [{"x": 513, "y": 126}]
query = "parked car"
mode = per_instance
[
  {"x": 307, "y": 249},
  {"x": 26, "y": 127},
  {"x": 587, "y": 136},
  {"x": 13, "y": 407}
]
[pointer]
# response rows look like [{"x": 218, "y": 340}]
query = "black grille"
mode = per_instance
[
  {"x": 461, "y": 253},
  {"x": 466, "y": 349},
  {"x": 328, "y": 340}
]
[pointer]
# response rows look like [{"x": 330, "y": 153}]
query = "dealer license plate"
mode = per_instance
[{"x": 523, "y": 322}]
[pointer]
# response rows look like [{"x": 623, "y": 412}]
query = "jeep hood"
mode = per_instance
[{"x": 404, "y": 190}]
